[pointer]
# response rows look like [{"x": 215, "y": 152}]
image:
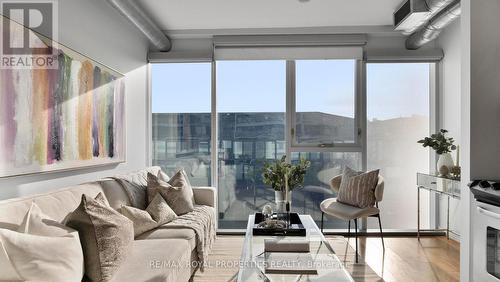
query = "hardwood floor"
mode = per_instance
[{"x": 407, "y": 259}]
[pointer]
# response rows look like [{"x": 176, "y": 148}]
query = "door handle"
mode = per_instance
[
  {"x": 488, "y": 213},
  {"x": 325, "y": 145}
]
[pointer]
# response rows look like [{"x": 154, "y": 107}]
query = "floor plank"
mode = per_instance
[
  {"x": 408, "y": 259},
  {"x": 404, "y": 259}
]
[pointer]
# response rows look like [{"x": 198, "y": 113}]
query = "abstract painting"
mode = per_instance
[{"x": 63, "y": 118}]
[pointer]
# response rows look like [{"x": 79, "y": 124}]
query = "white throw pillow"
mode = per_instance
[
  {"x": 8, "y": 273},
  {"x": 35, "y": 222},
  {"x": 52, "y": 253}
]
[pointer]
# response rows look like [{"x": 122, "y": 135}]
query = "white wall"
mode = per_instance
[
  {"x": 96, "y": 30},
  {"x": 466, "y": 198},
  {"x": 481, "y": 107},
  {"x": 449, "y": 106}
]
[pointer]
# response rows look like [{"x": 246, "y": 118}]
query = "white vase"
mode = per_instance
[
  {"x": 444, "y": 160},
  {"x": 279, "y": 198}
]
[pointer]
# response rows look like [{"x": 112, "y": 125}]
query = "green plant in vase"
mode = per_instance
[
  {"x": 443, "y": 146},
  {"x": 284, "y": 177}
]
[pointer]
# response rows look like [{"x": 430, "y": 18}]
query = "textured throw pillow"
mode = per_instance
[
  {"x": 135, "y": 184},
  {"x": 106, "y": 236},
  {"x": 160, "y": 210},
  {"x": 141, "y": 219},
  {"x": 43, "y": 250},
  {"x": 358, "y": 189},
  {"x": 177, "y": 192},
  {"x": 157, "y": 213}
]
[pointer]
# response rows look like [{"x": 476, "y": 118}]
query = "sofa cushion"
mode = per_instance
[
  {"x": 106, "y": 237},
  {"x": 114, "y": 192},
  {"x": 170, "y": 233},
  {"x": 57, "y": 205},
  {"x": 156, "y": 260}
]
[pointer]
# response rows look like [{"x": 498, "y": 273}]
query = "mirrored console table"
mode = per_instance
[{"x": 449, "y": 187}]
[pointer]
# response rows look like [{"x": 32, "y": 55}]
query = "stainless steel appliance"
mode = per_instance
[{"x": 486, "y": 231}]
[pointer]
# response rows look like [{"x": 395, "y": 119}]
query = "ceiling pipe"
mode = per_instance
[
  {"x": 434, "y": 7},
  {"x": 136, "y": 15},
  {"x": 432, "y": 29}
]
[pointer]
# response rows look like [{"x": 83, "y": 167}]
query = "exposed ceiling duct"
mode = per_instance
[
  {"x": 136, "y": 15},
  {"x": 414, "y": 14},
  {"x": 433, "y": 28}
]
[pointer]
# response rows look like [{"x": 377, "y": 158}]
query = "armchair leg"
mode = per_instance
[
  {"x": 381, "y": 233},
  {"x": 349, "y": 230},
  {"x": 356, "y": 235},
  {"x": 322, "y": 215}
]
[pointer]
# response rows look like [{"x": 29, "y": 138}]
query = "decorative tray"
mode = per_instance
[{"x": 294, "y": 229}]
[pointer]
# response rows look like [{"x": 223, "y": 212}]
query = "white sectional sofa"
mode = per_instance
[{"x": 153, "y": 252}]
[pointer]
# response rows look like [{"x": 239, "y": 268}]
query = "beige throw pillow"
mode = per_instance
[
  {"x": 177, "y": 192},
  {"x": 141, "y": 219},
  {"x": 43, "y": 250},
  {"x": 157, "y": 213},
  {"x": 358, "y": 189},
  {"x": 106, "y": 237},
  {"x": 160, "y": 210}
]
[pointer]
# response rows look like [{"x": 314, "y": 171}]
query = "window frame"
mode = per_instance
[
  {"x": 356, "y": 146},
  {"x": 360, "y": 116}
]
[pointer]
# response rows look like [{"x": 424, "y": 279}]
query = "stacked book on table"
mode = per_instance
[{"x": 285, "y": 256}]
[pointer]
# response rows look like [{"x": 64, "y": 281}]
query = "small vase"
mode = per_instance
[
  {"x": 279, "y": 198},
  {"x": 444, "y": 160}
]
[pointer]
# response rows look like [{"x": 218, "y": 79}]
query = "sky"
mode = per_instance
[{"x": 393, "y": 90}]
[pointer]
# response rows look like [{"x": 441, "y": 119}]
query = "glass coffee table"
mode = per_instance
[{"x": 327, "y": 264}]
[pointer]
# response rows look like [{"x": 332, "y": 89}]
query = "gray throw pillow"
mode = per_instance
[
  {"x": 357, "y": 188},
  {"x": 177, "y": 192},
  {"x": 106, "y": 236}
]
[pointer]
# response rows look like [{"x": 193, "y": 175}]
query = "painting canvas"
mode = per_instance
[{"x": 63, "y": 118}]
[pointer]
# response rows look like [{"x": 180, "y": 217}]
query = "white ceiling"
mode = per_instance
[{"x": 234, "y": 14}]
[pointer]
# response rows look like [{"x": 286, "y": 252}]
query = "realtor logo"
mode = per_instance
[{"x": 29, "y": 33}]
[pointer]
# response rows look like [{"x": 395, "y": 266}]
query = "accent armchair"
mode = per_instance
[{"x": 347, "y": 212}]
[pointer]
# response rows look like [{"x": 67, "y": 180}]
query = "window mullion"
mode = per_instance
[{"x": 290, "y": 108}]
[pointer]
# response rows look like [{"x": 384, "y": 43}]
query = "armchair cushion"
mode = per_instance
[
  {"x": 358, "y": 189},
  {"x": 345, "y": 212}
]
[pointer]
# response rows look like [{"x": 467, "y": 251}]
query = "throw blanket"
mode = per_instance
[{"x": 202, "y": 222}]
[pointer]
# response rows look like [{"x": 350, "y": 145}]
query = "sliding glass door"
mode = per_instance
[{"x": 251, "y": 99}]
